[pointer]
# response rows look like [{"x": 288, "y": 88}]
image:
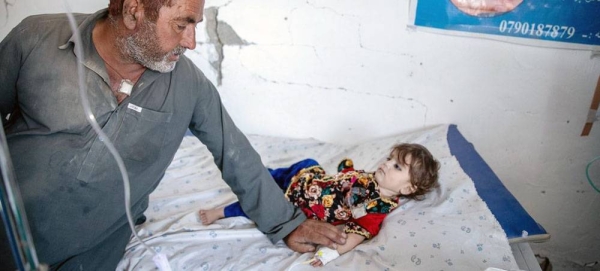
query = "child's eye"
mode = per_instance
[
  {"x": 388, "y": 159},
  {"x": 396, "y": 166}
]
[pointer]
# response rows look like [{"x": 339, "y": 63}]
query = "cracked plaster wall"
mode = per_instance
[{"x": 349, "y": 71}]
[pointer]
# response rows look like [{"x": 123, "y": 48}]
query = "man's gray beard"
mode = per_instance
[{"x": 140, "y": 46}]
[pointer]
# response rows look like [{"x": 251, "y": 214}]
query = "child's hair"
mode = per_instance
[{"x": 423, "y": 167}]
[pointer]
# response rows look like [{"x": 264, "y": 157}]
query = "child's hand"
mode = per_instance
[
  {"x": 316, "y": 263},
  {"x": 323, "y": 256}
]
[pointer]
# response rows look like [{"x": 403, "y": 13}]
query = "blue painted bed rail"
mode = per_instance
[{"x": 508, "y": 211}]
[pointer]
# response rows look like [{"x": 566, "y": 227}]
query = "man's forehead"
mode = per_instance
[{"x": 190, "y": 11}]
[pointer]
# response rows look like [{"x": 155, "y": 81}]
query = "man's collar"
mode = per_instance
[
  {"x": 92, "y": 59},
  {"x": 84, "y": 28}
]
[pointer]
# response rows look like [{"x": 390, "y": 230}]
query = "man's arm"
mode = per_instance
[
  {"x": 242, "y": 169},
  {"x": 10, "y": 61}
]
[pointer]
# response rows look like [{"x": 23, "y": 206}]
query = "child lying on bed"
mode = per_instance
[{"x": 360, "y": 200}]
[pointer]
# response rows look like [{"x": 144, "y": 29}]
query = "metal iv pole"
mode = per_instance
[{"x": 13, "y": 215}]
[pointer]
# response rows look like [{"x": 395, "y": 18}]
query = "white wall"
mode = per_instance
[{"x": 348, "y": 71}]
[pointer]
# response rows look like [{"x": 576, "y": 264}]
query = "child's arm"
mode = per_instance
[{"x": 352, "y": 241}]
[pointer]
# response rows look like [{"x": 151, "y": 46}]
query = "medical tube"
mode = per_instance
[
  {"x": 159, "y": 259},
  {"x": 587, "y": 173},
  {"x": 13, "y": 214}
]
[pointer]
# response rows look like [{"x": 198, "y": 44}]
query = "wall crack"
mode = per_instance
[
  {"x": 6, "y": 5},
  {"x": 220, "y": 34},
  {"x": 352, "y": 91}
]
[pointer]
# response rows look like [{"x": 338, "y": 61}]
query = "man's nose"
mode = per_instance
[{"x": 189, "y": 38}]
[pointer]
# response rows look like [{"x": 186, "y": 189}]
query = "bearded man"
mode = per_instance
[{"x": 145, "y": 94}]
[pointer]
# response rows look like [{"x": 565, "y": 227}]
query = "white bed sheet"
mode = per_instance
[{"x": 452, "y": 229}]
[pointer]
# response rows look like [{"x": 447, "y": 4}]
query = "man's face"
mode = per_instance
[{"x": 158, "y": 45}]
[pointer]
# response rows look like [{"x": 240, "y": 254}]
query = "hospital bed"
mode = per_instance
[{"x": 469, "y": 223}]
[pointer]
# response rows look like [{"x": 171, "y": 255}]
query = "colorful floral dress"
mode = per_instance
[{"x": 350, "y": 197}]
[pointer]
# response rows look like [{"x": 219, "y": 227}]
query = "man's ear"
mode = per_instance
[{"x": 132, "y": 12}]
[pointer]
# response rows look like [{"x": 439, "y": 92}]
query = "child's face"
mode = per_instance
[{"x": 393, "y": 178}]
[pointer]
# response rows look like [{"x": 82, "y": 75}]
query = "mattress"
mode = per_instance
[{"x": 461, "y": 225}]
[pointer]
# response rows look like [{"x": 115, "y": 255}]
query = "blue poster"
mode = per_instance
[{"x": 562, "y": 21}]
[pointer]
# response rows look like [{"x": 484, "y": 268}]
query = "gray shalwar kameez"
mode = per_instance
[{"x": 70, "y": 183}]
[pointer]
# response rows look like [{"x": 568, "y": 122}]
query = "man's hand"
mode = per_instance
[{"x": 312, "y": 233}]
